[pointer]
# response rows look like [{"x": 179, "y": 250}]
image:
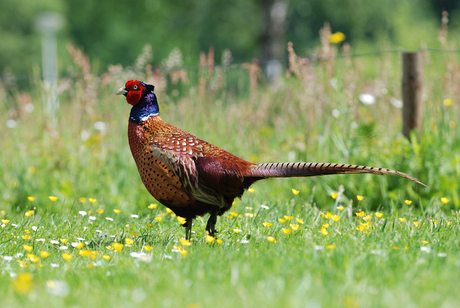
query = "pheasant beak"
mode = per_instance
[{"x": 122, "y": 91}]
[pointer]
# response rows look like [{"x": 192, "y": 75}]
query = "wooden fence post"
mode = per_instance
[{"x": 412, "y": 88}]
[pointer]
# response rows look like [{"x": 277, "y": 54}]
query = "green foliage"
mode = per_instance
[
  {"x": 20, "y": 47},
  {"x": 402, "y": 258},
  {"x": 115, "y": 32}
]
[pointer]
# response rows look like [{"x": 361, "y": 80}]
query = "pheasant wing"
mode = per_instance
[{"x": 180, "y": 152}]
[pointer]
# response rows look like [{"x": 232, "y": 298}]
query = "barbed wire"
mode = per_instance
[{"x": 311, "y": 58}]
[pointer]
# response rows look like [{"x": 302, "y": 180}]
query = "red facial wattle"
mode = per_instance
[{"x": 134, "y": 89}]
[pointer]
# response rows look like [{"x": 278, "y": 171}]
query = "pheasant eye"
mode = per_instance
[{"x": 135, "y": 87}]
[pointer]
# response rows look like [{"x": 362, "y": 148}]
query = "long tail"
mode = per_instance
[{"x": 268, "y": 170}]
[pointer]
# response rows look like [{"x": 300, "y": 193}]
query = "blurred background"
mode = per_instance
[{"x": 112, "y": 32}]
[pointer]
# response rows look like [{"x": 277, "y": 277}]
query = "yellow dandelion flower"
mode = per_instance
[
  {"x": 64, "y": 240},
  {"x": 82, "y": 200},
  {"x": 281, "y": 220},
  {"x": 129, "y": 241},
  {"x": 300, "y": 221},
  {"x": 337, "y": 38},
  {"x": 27, "y": 248},
  {"x": 234, "y": 214},
  {"x": 78, "y": 245},
  {"x": 295, "y": 192},
  {"x": 287, "y": 217},
  {"x": 183, "y": 252},
  {"x": 92, "y": 200},
  {"x": 267, "y": 224},
  {"x": 335, "y": 218},
  {"x": 360, "y": 214},
  {"x": 147, "y": 248},
  {"x": 330, "y": 246},
  {"x": 341, "y": 208},
  {"x": 168, "y": 210},
  {"x": 158, "y": 218},
  {"x": 360, "y": 198},
  {"x": 328, "y": 215},
  {"x": 408, "y": 202},
  {"x": 185, "y": 242},
  {"x": 22, "y": 283},
  {"x": 44, "y": 254},
  {"x": 424, "y": 242},
  {"x": 210, "y": 238},
  {"x": 368, "y": 217},
  {"x": 294, "y": 227},
  {"x": 67, "y": 256},
  {"x": 84, "y": 253},
  {"x": 33, "y": 258},
  {"x": 53, "y": 198},
  {"x": 27, "y": 236},
  {"x": 31, "y": 198},
  {"x": 117, "y": 247},
  {"x": 326, "y": 226},
  {"x": 116, "y": 211},
  {"x": 447, "y": 102},
  {"x": 181, "y": 220},
  {"x": 99, "y": 211},
  {"x": 89, "y": 212},
  {"x": 26, "y": 231},
  {"x": 415, "y": 223},
  {"x": 324, "y": 231},
  {"x": 378, "y": 214},
  {"x": 271, "y": 239},
  {"x": 5, "y": 221},
  {"x": 106, "y": 257},
  {"x": 22, "y": 264},
  {"x": 150, "y": 225},
  {"x": 402, "y": 219},
  {"x": 219, "y": 241},
  {"x": 286, "y": 231},
  {"x": 444, "y": 200},
  {"x": 153, "y": 206},
  {"x": 396, "y": 248},
  {"x": 334, "y": 195},
  {"x": 251, "y": 190}
]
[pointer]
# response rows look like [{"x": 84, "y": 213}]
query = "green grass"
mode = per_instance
[{"x": 388, "y": 262}]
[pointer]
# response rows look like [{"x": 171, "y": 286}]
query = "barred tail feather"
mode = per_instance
[{"x": 268, "y": 170}]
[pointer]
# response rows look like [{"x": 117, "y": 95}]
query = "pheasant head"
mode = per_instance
[{"x": 140, "y": 95}]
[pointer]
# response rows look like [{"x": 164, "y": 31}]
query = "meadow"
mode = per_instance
[{"x": 79, "y": 229}]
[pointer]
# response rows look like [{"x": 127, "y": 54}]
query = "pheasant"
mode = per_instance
[{"x": 193, "y": 177}]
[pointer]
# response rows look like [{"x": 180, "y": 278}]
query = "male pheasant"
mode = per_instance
[{"x": 193, "y": 177}]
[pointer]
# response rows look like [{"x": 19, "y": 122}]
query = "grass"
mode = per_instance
[
  {"x": 391, "y": 261},
  {"x": 406, "y": 257}
]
